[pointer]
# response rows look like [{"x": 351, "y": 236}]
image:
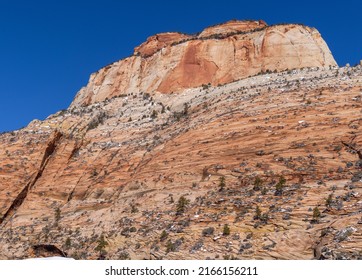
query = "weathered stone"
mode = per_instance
[
  {"x": 173, "y": 62},
  {"x": 118, "y": 168}
]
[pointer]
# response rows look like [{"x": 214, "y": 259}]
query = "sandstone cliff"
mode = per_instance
[
  {"x": 173, "y": 62},
  {"x": 158, "y": 174}
]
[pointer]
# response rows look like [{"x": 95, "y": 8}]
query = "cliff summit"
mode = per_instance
[{"x": 173, "y": 62}]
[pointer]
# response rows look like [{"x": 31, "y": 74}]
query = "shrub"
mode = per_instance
[
  {"x": 134, "y": 208},
  {"x": 222, "y": 183},
  {"x": 264, "y": 191},
  {"x": 264, "y": 217},
  {"x": 186, "y": 109},
  {"x": 226, "y": 230},
  {"x": 205, "y": 173},
  {"x": 229, "y": 257},
  {"x": 280, "y": 185},
  {"x": 257, "y": 183},
  {"x": 124, "y": 256},
  {"x": 67, "y": 243},
  {"x": 154, "y": 114},
  {"x": 181, "y": 205},
  {"x": 57, "y": 214},
  {"x": 329, "y": 200},
  {"x": 170, "y": 246},
  {"x": 102, "y": 243},
  {"x": 96, "y": 121},
  {"x": 164, "y": 235},
  {"x": 257, "y": 213},
  {"x": 208, "y": 231},
  {"x": 316, "y": 214},
  {"x": 205, "y": 87}
]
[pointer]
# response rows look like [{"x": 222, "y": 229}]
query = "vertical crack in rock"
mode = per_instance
[{"x": 19, "y": 200}]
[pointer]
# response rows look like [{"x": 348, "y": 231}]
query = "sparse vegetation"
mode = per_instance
[
  {"x": 246, "y": 137},
  {"x": 134, "y": 208},
  {"x": 329, "y": 200},
  {"x": 206, "y": 86},
  {"x": 97, "y": 120},
  {"x": 264, "y": 191},
  {"x": 222, "y": 183},
  {"x": 316, "y": 215},
  {"x": 257, "y": 183},
  {"x": 154, "y": 114},
  {"x": 67, "y": 243},
  {"x": 257, "y": 213},
  {"x": 102, "y": 243},
  {"x": 164, "y": 235},
  {"x": 124, "y": 255},
  {"x": 181, "y": 205},
  {"x": 57, "y": 215},
  {"x": 280, "y": 186},
  {"x": 170, "y": 246},
  {"x": 226, "y": 230}
]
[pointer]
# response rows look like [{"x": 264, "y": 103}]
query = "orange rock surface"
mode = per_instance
[{"x": 173, "y": 62}]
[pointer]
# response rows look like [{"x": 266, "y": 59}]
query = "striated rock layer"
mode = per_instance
[
  {"x": 173, "y": 62},
  {"x": 275, "y": 157}
]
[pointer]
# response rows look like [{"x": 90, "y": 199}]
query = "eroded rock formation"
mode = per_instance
[
  {"x": 173, "y": 62},
  {"x": 148, "y": 163}
]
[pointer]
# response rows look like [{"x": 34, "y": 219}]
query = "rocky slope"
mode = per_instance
[{"x": 264, "y": 167}]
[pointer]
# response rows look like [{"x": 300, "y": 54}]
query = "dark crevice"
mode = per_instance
[
  {"x": 48, "y": 250},
  {"x": 19, "y": 200},
  {"x": 353, "y": 148},
  {"x": 16, "y": 203}
]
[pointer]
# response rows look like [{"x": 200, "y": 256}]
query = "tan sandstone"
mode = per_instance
[
  {"x": 117, "y": 168},
  {"x": 172, "y": 62}
]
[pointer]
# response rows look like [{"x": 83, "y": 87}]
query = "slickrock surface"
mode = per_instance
[
  {"x": 171, "y": 62},
  {"x": 158, "y": 175}
]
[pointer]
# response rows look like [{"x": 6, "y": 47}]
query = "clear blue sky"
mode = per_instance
[{"x": 49, "y": 48}]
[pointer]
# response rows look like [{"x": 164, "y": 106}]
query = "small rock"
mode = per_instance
[
  {"x": 245, "y": 246},
  {"x": 358, "y": 163},
  {"x": 344, "y": 233},
  {"x": 357, "y": 176},
  {"x": 286, "y": 216}
]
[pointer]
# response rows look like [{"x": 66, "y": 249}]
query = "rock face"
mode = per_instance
[
  {"x": 158, "y": 175},
  {"x": 173, "y": 62}
]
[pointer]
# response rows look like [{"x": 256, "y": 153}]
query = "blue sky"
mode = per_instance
[{"x": 49, "y": 48}]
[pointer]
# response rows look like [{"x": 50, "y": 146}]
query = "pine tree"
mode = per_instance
[
  {"x": 181, "y": 205},
  {"x": 222, "y": 184},
  {"x": 226, "y": 230}
]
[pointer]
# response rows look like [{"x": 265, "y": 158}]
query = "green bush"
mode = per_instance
[
  {"x": 329, "y": 200},
  {"x": 257, "y": 183},
  {"x": 226, "y": 230},
  {"x": 102, "y": 243},
  {"x": 280, "y": 186},
  {"x": 181, "y": 205},
  {"x": 316, "y": 214},
  {"x": 164, "y": 235},
  {"x": 257, "y": 213},
  {"x": 222, "y": 183}
]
